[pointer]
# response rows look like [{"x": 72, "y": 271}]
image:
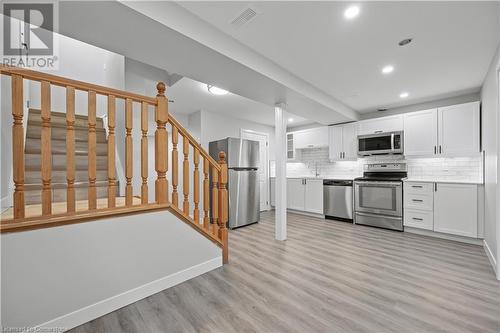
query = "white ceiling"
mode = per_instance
[
  {"x": 191, "y": 96},
  {"x": 453, "y": 45}
]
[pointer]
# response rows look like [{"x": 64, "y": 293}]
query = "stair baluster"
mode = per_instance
[
  {"x": 185, "y": 175},
  {"x": 92, "y": 191},
  {"x": 144, "y": 153},
  {"x": 46, "y": 169},
  {"x": 215, "y": 201},
  {"x": 111, "y": 152},
  {"x": 18, "y": 146},
  {"x": 70, "y": 150},
  {"x": 129, "y": 155},
  {"x": 196, "y": 186},
  {"x": 206, "y": 194},
  {"x": 175, "y": 166}
]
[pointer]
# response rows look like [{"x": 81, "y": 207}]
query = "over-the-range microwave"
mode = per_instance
[{"x": 380, "y": 143}]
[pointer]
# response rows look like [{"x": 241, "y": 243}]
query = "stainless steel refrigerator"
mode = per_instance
[{"x": 242, "y": 158}]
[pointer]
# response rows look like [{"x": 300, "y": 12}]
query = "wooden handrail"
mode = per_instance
[
  {"x": 79, "y": 85},
  {"x": 193, "y": 142},
  {"x": 206, "y": 200}
]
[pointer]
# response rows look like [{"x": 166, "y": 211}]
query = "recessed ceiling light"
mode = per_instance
[
  {"x": 351, "y": 12},
  {"x": 290, "y": 120},
  {"x": 216, "y": 91},
  {"x": 387, "y": 69},
  {"x": 404, "y": 94}
]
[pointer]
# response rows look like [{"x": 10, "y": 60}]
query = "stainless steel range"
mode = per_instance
[{"x": 378, "y": 196}]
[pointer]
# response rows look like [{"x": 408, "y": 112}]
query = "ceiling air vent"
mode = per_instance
[{"x": 244, "y": 17}]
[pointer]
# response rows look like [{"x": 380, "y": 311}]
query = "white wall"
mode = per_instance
[
  {"x": 491, "y": 146},
  {"x": 51, "y": 275},
  {"x": 215, "y": 126},
  {"x": 83, "y": 62}
]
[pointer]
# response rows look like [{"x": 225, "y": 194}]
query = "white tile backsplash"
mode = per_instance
[{"x": 456, "y": 168}]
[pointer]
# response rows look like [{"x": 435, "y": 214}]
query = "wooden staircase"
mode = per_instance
[
  {"x": 64, "y": 168},
  {"x": 33, "y": 155}
]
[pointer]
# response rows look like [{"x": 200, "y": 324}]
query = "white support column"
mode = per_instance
[{"x": 280, "y": 137}]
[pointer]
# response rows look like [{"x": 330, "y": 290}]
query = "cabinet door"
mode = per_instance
[
  {"x": 458, "y": 133},
  {"x": 300, "y": 139},
  {"x": 335, "y": 139},
  {"x": 455, "y": 209},
  {"x": 295, "y": 194},
  {"x": 312, "y": 138},
  {"x": 350, "y": 141},
  {"x": 380, "y": 125},
  {"x": 290, "y": 146},
  {"x": 314, "y": 196},
  {"x": 420, "y": 133},
  {"x": 273, "y": 192}
]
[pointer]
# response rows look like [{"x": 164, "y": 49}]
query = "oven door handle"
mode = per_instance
[
  {"x": 377, "y": 183},
  {"x": 392, "y": 141}
]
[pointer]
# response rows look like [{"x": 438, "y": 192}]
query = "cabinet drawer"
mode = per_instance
[
  {"x": 418, "y": 201},
  {"x": 418, "y": 219},
  {"x": 419, "y": 188}
]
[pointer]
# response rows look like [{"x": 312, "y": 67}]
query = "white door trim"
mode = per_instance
[{"x": 242, "y": 133}]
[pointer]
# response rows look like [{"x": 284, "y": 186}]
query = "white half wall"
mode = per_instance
[
  {"x": 490, "y": 143},
  {"x": 66, "y": 276}
]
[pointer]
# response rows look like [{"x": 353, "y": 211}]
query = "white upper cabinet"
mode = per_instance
[
  {"x": 350, "y": 141},
  {"x": 343, "y": 142},
  {"x": 420, "y": 133},
  {"x": 311, "y": 138},
  {"x": 458, "y": 129},
  {"x": 447, "y": 131},
  {"x": 336, "y": 147},
  {"x": 380, "y": 125}
]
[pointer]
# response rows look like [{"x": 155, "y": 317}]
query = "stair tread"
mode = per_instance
[{"x": 58, "y": 147}]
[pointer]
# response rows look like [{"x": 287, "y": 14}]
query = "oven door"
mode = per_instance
[{"x": 379, "y": 197}]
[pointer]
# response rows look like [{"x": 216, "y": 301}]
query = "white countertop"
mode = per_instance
[
  {"x": 447, "y": 181},
  {"x": 321, "y": 177}
]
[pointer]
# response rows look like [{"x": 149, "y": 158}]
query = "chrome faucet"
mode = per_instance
[{"x": 316, "y": 169}]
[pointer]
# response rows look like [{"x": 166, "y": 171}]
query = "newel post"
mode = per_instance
[
  {"x": 223, "y": 206},
  {"x": 161, "y": 144}
]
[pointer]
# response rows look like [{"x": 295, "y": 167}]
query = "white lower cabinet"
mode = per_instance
[
  {"x": 455, "y": 209},
  {"x": 302, "y": 194},
  {"x": 295, "y": 193},
  {"x": 418, "y": 219},
  {"x": 314, "y": 196},
  {"x": 442, "y": 207}
]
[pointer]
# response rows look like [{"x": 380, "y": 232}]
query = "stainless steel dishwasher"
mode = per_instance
[{"x": 338, "y": 199}]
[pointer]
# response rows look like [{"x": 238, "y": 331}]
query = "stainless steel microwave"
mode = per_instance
[{"x": 380, "y": 143}]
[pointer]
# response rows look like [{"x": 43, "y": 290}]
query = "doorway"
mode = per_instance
[{"x": 263, "y": 139}]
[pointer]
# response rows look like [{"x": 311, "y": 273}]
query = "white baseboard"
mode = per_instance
[
  {"x": 301, "y": 212},
  {"x": 456, "y": 238},
  {"x": 116, "y": 302},
  {"x": 491, "y": 257}
]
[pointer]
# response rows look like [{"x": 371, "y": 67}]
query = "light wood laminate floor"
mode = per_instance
[{"x": 327, "y": 277}]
